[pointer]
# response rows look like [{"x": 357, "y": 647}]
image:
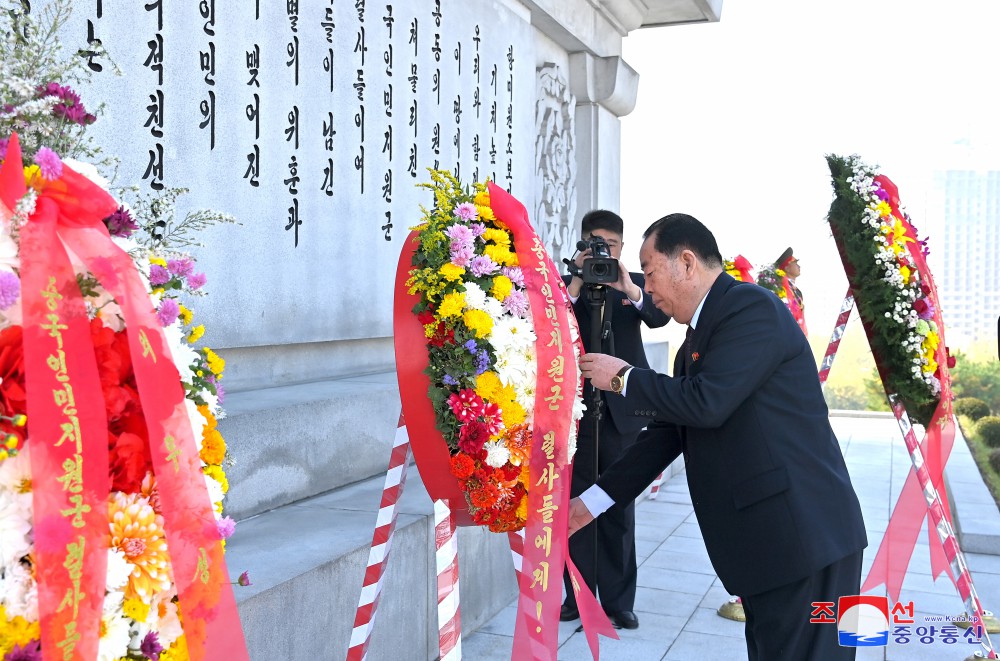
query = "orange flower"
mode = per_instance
[
  {"x": 137, "y": 531},
  {"x": 213, "y": 447},
  {"x": 462, "y": 466}
]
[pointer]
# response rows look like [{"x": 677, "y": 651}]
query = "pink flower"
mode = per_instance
[
  {"x": 10, "y": 289},
  {"x": 244, "y": 579},
  {"x": 466, "y": 211},
  {"x": 168, "y": 311},
  {"x": 196, "y": 280},
  {"x": 181, "y": 267},
  {"x": 466, "y": 405},
  {"x": 227, "y": 526},
  {"x": 515, "y": 274},
  {"x": 516, "y": 303},
  {"x": 482, "y": 265},
  {"x": 158, "y": 275},
  {"x": 491, "y": 418},
  {"x": 462, "y": 256},
  {"x": 49, "y": 163}
]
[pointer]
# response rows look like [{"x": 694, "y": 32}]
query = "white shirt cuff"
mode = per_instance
[
  {"x": 596, "y": 500},
  {"x": 572, "y": 299},
  {"x": 625, "y": 380},
  {"x": 637, "y": 304}
]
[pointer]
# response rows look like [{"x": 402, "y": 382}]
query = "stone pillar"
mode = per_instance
[{"x": 605, "y": 90}]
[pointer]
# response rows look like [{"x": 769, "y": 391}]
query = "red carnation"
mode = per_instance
[
  {"x": 462, "y": 466},
  {"x": 467, "y": 406},
  {"x": 510, "y": 472},
  {"x": 473, "y": 437},
  {"x": 426, "y": 317}
]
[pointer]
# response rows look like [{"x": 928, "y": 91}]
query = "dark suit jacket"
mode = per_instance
[
  {"x": 767, "y": 477},
  {"x": 626, "y": 321}
]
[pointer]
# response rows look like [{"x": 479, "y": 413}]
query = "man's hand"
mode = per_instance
[
  {"x": 579, "y": 515},
  {"x": 599, "y": 368},
  {"x": 625, "y": 285}
]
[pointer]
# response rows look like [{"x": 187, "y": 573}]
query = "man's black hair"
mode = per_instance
[
  {"x": 602, "y": 219},
  {"x": 679, "y": 231}
]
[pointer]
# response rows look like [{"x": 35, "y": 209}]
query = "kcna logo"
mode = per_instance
[{"x": 863, "y": 621}]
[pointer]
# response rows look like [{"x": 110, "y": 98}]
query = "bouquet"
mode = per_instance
[
  {"x": 481, "y": 345},
  {"x": 887, "y": 269},
  {"x": 773, "y": 279},
  {"x": 140, "y": 614}
]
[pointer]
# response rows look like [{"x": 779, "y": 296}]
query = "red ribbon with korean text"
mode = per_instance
[
  {"x": 908, "y": 515},
  {"x": 68, "y": 213},
  {"x": 546, "y": 543}
]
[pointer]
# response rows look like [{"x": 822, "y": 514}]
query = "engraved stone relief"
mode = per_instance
[{"x": 555, "y": 163}]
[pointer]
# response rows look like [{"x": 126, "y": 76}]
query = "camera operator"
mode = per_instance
[{"x": 611, "y": 557}]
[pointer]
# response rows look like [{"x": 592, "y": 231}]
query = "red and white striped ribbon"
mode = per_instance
[
  {"x": 935, "y": 509},
  {"x": 517, "y": 550},
  {"x": 655, "y": 487},
  {"x": 449, "y": 614},
  {"x": 378, "y": 556},
  {"x": 838, "y": 333}
]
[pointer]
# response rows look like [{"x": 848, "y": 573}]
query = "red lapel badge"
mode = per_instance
[{"x": 695, "y": 356}]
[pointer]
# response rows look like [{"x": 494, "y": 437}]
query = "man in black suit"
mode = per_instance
[
  {"x": 769, "y": 485},
  {"x": 626, "y": 307}
]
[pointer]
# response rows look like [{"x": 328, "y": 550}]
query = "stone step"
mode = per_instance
[
  {"x": 307, "y": 560},
  {"x": 296, "y": 441}
]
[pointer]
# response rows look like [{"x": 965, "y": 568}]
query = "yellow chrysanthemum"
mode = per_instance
[
  {"x": 883, "y": 208},
  {"x": 501, "y": 287},
  {"x": 16, "y": 631},
  {"x": 159, "y": 261},
  {"x": 185, "y": 315},
  {"x": 482, "y": 199},
  {"x": 512, "y": 414},
  {"x": 33, "y": 177},
  {"x": 501, "y": 255},
  {"x": 215, "y": 362},
  {"x": 522, "y": 509},
  {"x": 213, "y": 447},
  {"x": 452, "y": 305},
  {"x": 136, "y": 609},
  {"x": 497, "y": 236},
  {"x": 485, "y": 212},
  {"x": 137, "y": 531},
  {"x": 196, "y": 333},
  {"x": 210, "y": 421},
  {"x": 176, "y": 652},
  {"x": 479, "y": 322},
  {"x": 217, "y": 474},
  {"x": 905, "y": 273},
  {"x": 451, "y": 272},
  {"x": 488, "y": 386}
]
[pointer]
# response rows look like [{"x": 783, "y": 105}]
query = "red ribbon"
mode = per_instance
[
  {"x": 546, "y": 544},
  {"x": 743, "y": 265},
  {"x": 907, "y": 518},
  {"x": 69, "y": 212}
]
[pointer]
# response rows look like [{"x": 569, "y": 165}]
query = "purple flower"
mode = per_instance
[
  {"x": 3, "y": 147},
  {"x": 69, "y": 106},
  {"x": 196, "y": 280},
  {"x": 482, "y": 265},
  {"x": 220, "y": 392},
  {"x": 449, "y": 380},
  {"x": 151, "y": 647},
  {"x": 49, "y": 163},
  {"x": 158, "y": 275},
  {"x": 10, "y": 289},
  {"x": 461, "y": 255},
  {"x": 477, "y": 229},
  {"x": 121, "y": 223},
  {"x": 167, "y": 314},
  {"x": 227, "y": 526},
  {"x": 881, "y": 194},
  {"x": 482, "y": 362},
  {"x": 466, "y": 211},
  {"x": 471, "y": 347},
  {"x": 459, "y": 233},
  {"x": 181, "y": 267},
  {"x": 516, "y": 303},
  {"x": 30, "y": 652},
  {"x": 515, "y": 274},
  {"x": 244, "y": 579}
]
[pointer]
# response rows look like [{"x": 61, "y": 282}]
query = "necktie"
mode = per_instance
[{"x": 686, "y": 348}]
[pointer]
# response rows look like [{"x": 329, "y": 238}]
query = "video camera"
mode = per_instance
[{"x": 598, "y": 269}]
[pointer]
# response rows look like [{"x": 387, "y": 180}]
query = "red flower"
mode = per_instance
[
  {"x": 484, "y": 496},
  {"x": 426, "y": 317},
  {"x": 467, "y": 406},
  {"x": 491, "y": 416},
  {"x": 442, "y": 336},
  {"x": 473, "y": 437},
  {"x": 510, "y": 472},
  {"x": 920, "y": 305},
  {"x": 12, "y": 395},
  {"x": 462, "y": 466}
]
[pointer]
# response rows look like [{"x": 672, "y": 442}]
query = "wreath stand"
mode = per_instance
[{"x": 939, "y": 516}]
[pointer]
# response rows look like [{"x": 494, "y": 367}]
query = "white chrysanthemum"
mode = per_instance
[
  {"x": 15, "y": 527},
  {"x": 513, "y": 368},
  {"x": 475, "y": 297},
  {"x": 181, "y": 352},
  {"x": 87, "y": 170},
  {"x": 115, "y": 636},
  {"x": 118, "y": 570},
  {"x": 215, "y": 493},
  {"x": 198, "y": 421},
  {"x": 114, "y": 602},
  {"x": 497, "y": 454},
  {"x": 512, "y": 334},
  {"x": 20, "y": 592},
  {"x": 15, "y": 474}
]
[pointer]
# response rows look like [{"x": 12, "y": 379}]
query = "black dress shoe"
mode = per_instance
[
  {"x": 568, "y": 613},
  {"x": 624, "y": 620}
]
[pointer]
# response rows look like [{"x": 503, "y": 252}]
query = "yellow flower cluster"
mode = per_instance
[
  {"x": 502, "y": 287},
  {"x": 215, "y": 363},
  {"x": 478, "y": 321},
  {"x": 213, "y": 446},
  {"x": 196, "y": 333},
  {"x": 429, "y": 281},
  {"x": 451, "y": 272},
  {"x": 16, "y": 631},
  {"x": 451, "y": 306}
]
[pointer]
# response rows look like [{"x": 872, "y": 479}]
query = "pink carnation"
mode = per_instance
[
  {"x": 466, "y": 211},
  {"x": 158, "y": 275},
  {"x": 197, "y": 280},
  {"x": 227, "y": 526},
  {"x": 49, "y": 163},
  {"x": 168, "y": 311}
]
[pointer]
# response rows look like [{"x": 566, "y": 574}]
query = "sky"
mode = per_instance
[{"x": 733, "y": 121}]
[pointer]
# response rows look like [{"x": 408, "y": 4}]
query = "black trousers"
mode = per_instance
[
  {"x": 611, "y": 556},
  {"x": 778, "y": 624}
]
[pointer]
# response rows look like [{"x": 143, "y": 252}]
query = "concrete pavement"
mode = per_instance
[{"x": 678, "y": 591}]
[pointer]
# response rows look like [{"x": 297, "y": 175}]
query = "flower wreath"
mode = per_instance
[
  {"x": 481, "y": 345},
  {"x": 896, "y": 298}
]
